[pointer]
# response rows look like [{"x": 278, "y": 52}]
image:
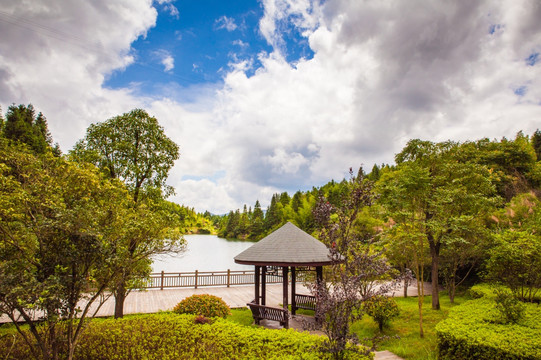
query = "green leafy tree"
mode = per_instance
[
  {"x": 515, "y": 257},
  {"x": 133, "y": 147},
  {"x": 60, "y": 230},
  {"x": 440, "y": 190},
  {"x": 382, "y": 309}
]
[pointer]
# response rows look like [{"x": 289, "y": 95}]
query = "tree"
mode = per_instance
[
  {"x": 536, "y": 143},
  {"x": 60, "y": 230},
  {"x": 353, "y": 265},
  {"x": 23, "y": 126},
  {"x": 434, "y": 185},
  {"x": 515, "y": 255},
  {"x": 256, "y": 227},
  {"x": 133, "y": 147}
]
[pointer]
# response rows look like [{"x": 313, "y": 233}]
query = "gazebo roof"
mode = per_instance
[{"x": 287, "y": 246}]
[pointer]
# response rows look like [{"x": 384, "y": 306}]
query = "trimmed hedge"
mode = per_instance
[
  {"x": 488, "y": 290},
  {"x": 173, "y": 336},
  {"x": 474, "y": 330}
]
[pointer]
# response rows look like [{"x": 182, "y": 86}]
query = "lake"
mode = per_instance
[{"x": 204, "y": 253}]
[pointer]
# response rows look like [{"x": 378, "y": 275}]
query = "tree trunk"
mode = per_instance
[
  {"x": 120, "y": 296},
  {"x": 435, "y": 255},
  {"x": 406, "y": 283},
  {"x": 452, "y": 291}
]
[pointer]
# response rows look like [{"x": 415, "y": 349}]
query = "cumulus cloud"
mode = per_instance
[
  {"x": 57, "y": 57},
  {"x": 226, "y": 23},
  {"x": 381, "y": 74}
]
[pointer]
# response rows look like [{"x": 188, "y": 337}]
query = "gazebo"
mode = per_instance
[{"x": 287, "y": 248}]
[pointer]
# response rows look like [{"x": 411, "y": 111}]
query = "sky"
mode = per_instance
[{"x": 266, "y": 96}]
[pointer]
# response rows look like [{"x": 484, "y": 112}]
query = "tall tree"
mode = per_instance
[
  {"x": 133, "y": 147},
  {"x": 256, "y": 227},
  {"x": 441, "y": 190},
  {"x": 60, "y": 225},
  {"x": 536, "y": 143},
  {"x": 23, "y": 126}
]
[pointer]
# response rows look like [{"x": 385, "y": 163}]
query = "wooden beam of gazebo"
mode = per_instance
[{"x": 288, "y": 247}]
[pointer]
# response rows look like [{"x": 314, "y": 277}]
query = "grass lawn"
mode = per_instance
[{"x": 406, "y": 326}]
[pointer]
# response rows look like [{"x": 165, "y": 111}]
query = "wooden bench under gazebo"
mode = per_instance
[{"x": 286, "y": 248}]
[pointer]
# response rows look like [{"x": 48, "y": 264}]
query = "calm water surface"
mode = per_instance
[{"x": 204, "y": 253}]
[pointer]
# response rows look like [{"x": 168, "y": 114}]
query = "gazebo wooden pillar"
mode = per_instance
[{"x": 288, "y": 247}]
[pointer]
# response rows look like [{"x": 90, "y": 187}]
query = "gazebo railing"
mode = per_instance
[{"x": 197, "y": 279}]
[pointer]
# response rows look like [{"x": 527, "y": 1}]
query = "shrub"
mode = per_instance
[
  {"x": 473, "y": 331},
  {"x": 200, "y": 319},
  {"x": 382, "y": 309},
  {"x": 486, "y": 290},
  {"x": 168, "y": 336},
  {"x": 204, "y": 304},
  {"x": 509, "y": 307}
]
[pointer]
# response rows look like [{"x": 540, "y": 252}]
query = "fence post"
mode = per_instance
[
  {"x": 228, "y": 277},
  {"x": 161, "y": 286},
  {"x": 196, "y": 278}
]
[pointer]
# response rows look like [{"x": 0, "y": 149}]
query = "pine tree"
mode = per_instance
[
  {"x": 536, "y": 142},
  {"x": 272, "y": 217},
  {"x": 296, "y": 202},
  {"x": 284, "y": 199},
  {"x": 22, "y": 126},
  {"x": 256, "y": 227}
]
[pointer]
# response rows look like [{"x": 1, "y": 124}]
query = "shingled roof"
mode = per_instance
[{"x": 287, "y": 246}]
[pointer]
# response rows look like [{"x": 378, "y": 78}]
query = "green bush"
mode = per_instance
[
  {"x": 509, "y": 307},
  {"x": 473, "y": 330},
  {"x": 204, "y": 304},
  {"x": 382, "y": 309},
  {"x": 173, "y": 336},
  {"x": 486, "y": 290}
]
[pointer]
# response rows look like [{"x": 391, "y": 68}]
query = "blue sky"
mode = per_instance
[
  {"x": 276, "y": 95},
  {"x": 201, "y": 38}
]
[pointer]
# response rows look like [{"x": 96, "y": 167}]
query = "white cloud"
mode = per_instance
[
  {"x": 165, "y": 59},
  {"x": 173, "y": 11},
  {"x": 226, "y": 23},
  {"x": 381, "y": 74}
]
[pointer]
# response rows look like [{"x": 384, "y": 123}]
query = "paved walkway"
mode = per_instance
[{"x": 152, "y": 301}]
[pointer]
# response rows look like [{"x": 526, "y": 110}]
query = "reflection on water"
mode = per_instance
[{"x": 203, "y": 253}]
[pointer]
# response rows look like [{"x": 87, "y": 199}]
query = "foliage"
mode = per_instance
[
  {"x": 509, "y": 307},
  {"x": 473, "y": 331},
  {"x": 401, "y": 337},
  {"x": 60, "y": 224},
  {"x": 382, "y": 309},
  {"x": 486, "y": 290},
  {"x": 204, "y": 304},
  {"x": 353, "y": 266},
  {"x": 441, "y": 193},
  {"x": 133, "y": 147},
  {"x": 515, "y": 257},
  {"x": 23, "y": 127},
  {"x": 170, "y": 336}
]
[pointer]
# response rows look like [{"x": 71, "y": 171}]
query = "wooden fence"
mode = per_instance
[{"x": 197, "y": 279}]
